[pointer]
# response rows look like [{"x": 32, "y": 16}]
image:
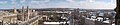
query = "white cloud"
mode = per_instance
[
  {"x": 82, "y": 4},
  {"x": 91, "y": 0},
  {"x": 46, "y": 0},
  {"x": 22, "y": 1},
  {"x": 3, "y": 2},
  {"x": 40, "y": 1},
  {"x": 5, "y": 8},
  {"x": 113, "y": 1},
  {"x": 97, "y": 5},
  {"x": 70, "y": 0},
  {"x": 36, "y": 2},
  {"x": 13, "y": 2}
]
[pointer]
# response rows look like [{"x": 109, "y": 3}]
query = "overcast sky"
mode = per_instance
[{"x": 87, "y": 4}]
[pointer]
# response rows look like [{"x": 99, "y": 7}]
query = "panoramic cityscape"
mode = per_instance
[
  {"x": 57, "y": 12},
  {"x": 57, "y": 16}
]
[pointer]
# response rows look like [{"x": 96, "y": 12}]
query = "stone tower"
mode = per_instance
[
  {"x": 117, "y": 17},
  {"x": 28, "y": 13},
  {"x": 23, "y": 14}
]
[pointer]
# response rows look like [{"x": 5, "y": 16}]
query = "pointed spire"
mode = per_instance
[
  {"x": 23, "y": 13},
  {"x": 28, "y": 13},
  {"x": 27, "y": 9},
  {"x": 22, "y": 9},
  {"x": 15, "y": 11}
]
